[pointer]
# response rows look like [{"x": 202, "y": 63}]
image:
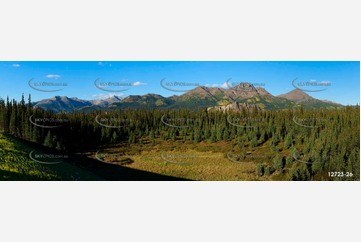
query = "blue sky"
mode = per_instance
[{"x": 343, "y": 77}]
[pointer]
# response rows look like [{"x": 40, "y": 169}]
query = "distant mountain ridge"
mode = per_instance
[
  {"x": 242, "y": 96},
  {"x": 62, "y": 103},
  {"x": 296, "y": 95}
]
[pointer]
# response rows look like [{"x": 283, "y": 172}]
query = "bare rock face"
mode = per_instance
[
  {"x": 261, "y": 91},
  {"x": 242, "y": 91},
  {"x": 235, "y": 107}
]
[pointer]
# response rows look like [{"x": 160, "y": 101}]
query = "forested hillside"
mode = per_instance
[{"x": 296, "y": 143}]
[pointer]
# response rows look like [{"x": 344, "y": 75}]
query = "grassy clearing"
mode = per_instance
[{"x": 202, "y": 161}]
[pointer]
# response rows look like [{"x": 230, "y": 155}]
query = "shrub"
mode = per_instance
[
  {"x": 260, "y": 169},
  {"x": 278, "y": 163}
]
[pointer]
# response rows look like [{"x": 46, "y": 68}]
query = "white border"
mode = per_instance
[{"x": 179, "y": 30}]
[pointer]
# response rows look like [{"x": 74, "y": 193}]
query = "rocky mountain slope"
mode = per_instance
[{"x": 242, "y": 96}]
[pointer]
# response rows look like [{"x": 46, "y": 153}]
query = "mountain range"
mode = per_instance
[{"x": 242, "y": 96}]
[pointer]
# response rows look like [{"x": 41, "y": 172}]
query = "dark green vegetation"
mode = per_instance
[
  {"x": 289, "y": 144},
  {"x": 15, "y": 164}
]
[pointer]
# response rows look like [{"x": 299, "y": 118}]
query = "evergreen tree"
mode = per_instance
[
  {"x": 48, "y": 141},
  {"x": 260, "y": 169},
  {"x": 278, "y": 163}
]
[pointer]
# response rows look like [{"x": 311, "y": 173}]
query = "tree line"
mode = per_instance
[{"x": 317, "y": 140}]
